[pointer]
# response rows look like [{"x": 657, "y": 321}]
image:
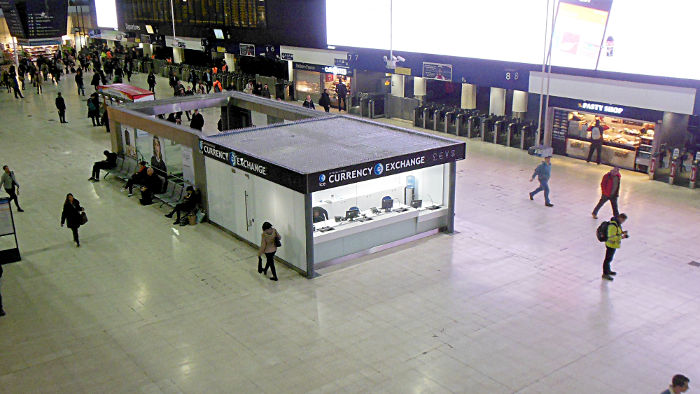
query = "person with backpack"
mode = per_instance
[
  {"x": 543, "y": 172},
  {"x": 612, "y": 234},
  {"x": 596, "y": 140},
  {"x": 610, "y": 190}
]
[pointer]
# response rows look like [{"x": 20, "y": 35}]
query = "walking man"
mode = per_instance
[
  {"x": 61, "y": 107},
  {"x": 679, "y": 384},
  {"x": 151, "y": 79},
  {"x": 596, "y": 141},
  {"x": 9, "y": 183},
  {"x": 610, "y": 190},
  {"x": 79, "y": 81},
  {"x": 612, "y": 244},
  {"x": 543, "y": 173},
  {"x": 342, "y": 91}
]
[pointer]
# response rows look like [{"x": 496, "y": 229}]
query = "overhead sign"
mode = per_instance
[
  {"x": 14, "y": 23},
  {"x": 263, "y": 169},
  {"x": 309, "y": 183},
  {"x": 321, "y": 68},
  {"x": 381, "y": 168},
  {"x": 603, "y": 108},
  {"x": 47, "y": 19}
]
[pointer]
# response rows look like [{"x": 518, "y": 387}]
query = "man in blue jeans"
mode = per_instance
[{"x": 543, "y": 172}]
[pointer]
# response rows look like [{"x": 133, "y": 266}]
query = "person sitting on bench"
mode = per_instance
[
  {"x": 107, "y": 164},
  {"x": 136, "y": 179},
  {"x": 188, "y": 204},
  {"x": 151, "y": 184}
]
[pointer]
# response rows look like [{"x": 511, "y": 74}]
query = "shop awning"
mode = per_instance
[{"x": 122, "y": 91}]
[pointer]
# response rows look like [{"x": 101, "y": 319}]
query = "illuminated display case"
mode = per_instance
[{"x": 627, "y": 143}]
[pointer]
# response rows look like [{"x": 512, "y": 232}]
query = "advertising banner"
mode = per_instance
[{"x": 441, "y": 72}]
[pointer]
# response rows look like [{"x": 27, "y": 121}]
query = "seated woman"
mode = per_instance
[{"x": 188, "y": 204}]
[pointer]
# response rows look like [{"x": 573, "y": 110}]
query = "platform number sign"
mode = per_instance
[{"x": 512, "y": 75}]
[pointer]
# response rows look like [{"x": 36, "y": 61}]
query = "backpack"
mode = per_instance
[{"x": 602, "y": 232}]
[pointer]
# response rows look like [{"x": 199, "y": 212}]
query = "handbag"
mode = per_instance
[
  {"x": 278, "y": 241},
  {"x": 83, "y": 217}
]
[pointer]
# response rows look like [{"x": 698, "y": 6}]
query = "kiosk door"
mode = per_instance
[{"x": 244, "y": 203}]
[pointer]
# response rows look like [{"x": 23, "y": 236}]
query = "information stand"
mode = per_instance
[{"x": 7, "y": 229}]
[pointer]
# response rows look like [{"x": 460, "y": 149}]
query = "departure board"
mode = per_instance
[
  {"x": 14, "y": 23},
  {"x": 224, "y": 13}
]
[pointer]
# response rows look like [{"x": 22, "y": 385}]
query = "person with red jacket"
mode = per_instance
[{"x": 610, "y": 190}]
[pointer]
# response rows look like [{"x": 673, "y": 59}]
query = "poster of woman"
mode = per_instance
[{"x": 157, "y": 159}]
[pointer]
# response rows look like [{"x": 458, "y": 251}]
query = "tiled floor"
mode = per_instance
[{"x": 511, "y": 303}]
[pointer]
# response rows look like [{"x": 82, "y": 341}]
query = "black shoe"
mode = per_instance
[
  {"x": 612, "y": 273},
  {"x": 530, "y": 194},
  {"x": 20, "y": 210},
  {"x": 2, "y": 312},
  {"x": 176, "y": 222},
  {"x": 168, "y": 215},
  {"x": 608, "y": 277},
  {"x": 91, "y": 179},
  {"x": 77, "y": 244},
  {"x": 275, "y": 279},
  {"x": 548, "y": 205}
]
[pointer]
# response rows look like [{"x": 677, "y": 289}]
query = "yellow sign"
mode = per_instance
[
  {"x": 221, "y": 49},
  {"x": 403, "y": 70}
]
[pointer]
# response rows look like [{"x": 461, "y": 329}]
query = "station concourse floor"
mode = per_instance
[{"x": 512, "y": 302}]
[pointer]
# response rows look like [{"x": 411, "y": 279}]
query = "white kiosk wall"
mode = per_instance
[{"x": 241, "y": 202}]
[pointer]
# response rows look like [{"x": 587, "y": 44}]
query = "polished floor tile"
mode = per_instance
[{"x": 512, "y": 302}]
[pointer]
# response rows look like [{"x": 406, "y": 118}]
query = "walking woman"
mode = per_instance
[
  {"x": 71, "y": 214},
  {"x": 268, "y": 245}
]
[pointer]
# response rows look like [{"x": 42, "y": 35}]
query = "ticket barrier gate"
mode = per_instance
[
  {"x": 449, "y": 122},
  {"x": 474, "y": 126},
  {"x": 514, "y": 135},
  {"x": 660, "y": 164},
  {"x": 418, "y": 116},
  {"x": 487, "y": 125},
  {"x": 694, "y": 170},
  {"x": 500, "y": 132}
]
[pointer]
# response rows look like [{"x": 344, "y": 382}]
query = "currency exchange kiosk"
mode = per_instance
[{"x": 331, "y": 186}]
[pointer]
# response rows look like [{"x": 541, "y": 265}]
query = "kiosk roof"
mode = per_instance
[{"x": 314, "y": 145}]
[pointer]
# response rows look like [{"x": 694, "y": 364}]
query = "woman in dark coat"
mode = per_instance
[{"x": 71, "y": 214}]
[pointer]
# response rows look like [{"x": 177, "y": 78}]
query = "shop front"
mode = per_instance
[
  {"x": 313, "y": 70},
  {"x": 332, "y": 187},
  {"x": 628, "y": 132}
]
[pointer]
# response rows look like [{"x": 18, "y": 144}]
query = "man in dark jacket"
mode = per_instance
[
  {"x": 151, "y": 82},
  {"x": 151, "y": 184},
  {"x": 325, "y": 100},
  {"x": 208, "y": 80},
  {"x": 61, "y": 107},
  {"x": 342, "y": 92},
  {"x": 610, "y": 190},
  {"x": 95, "y": 80},
  {"x": 197, "y": 120},
  {"x": 107, "y": 164},
  {"x": 79, "y": 81}
]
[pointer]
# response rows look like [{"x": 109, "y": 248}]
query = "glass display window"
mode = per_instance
[{"x": 422, "y": 190}]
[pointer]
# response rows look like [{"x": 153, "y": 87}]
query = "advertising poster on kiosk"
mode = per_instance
[{"x": 437, "y": 71}]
